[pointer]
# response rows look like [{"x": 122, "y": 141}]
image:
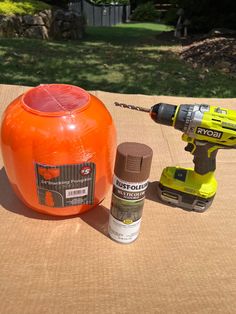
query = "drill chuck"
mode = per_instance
[
  {"x": 163, "y": 113},
  {"x": 172, "y": 115}
]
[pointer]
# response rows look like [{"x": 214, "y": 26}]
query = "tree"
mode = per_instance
[
  {"x": 207, "y": 14},
  {"x": 58, "y": 3}
]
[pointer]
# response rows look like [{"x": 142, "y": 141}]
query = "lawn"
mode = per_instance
[{"x": 123, "y": 59}]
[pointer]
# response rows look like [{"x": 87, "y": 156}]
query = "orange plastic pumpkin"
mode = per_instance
[{"x": 58, "y": 144}]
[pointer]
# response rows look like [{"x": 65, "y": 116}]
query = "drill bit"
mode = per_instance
[{"x": 132, "y": 107}]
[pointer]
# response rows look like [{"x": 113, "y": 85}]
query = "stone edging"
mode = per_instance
[{"x": 58, "y": 24}]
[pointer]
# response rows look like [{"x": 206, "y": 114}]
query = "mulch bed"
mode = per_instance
[
  {"x": 219, "y": 52},
  {"x": 217, "y": 49}
]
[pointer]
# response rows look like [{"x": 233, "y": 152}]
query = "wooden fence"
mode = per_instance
[{"x": 101, "y": 14}]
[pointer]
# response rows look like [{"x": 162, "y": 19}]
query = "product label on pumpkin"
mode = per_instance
[{"x": 65, "y": 185}]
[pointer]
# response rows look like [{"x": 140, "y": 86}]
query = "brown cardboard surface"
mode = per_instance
[{"x": 182, "y": 262}]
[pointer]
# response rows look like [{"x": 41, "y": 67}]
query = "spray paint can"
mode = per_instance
[{"x": 132, "y": 169}]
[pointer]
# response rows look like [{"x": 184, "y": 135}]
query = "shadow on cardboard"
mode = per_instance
[{"x": 152, "y": 195}]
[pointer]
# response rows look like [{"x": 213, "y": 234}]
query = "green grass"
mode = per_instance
[
  {"x": 128, "y": 34},
  {"x": 122, "y": 59},
  {"x": 9, "y": 7}
]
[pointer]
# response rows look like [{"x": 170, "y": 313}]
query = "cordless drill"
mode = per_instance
[{"x": 206, "y": 129}]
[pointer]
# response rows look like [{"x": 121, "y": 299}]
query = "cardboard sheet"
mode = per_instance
[{"x": 182, "y": 262}]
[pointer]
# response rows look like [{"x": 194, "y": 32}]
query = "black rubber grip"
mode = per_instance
[{"x": 203, "y": 163}]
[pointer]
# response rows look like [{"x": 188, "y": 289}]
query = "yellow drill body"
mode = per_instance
[{"x": 206, "y": 129}]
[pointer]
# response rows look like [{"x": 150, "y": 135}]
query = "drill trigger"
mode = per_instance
[{"x": 190, "y": 147}]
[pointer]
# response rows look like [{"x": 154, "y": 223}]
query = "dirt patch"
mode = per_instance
[{"x": 219, "y": 52}]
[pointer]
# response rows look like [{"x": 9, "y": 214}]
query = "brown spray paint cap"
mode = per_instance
[{"x": 133, "y": 162}]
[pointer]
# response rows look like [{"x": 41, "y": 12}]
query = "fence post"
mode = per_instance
[
  {"x": 82, "y": 6},
  {"x": 93, "y": 15},
  {"x": 109, "y": 16}
]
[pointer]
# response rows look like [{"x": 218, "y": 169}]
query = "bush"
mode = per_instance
[
  {"x": 145, "y": 12},
  {"x": 171, "y": 16},
  {"x": 9, "y": 7}
]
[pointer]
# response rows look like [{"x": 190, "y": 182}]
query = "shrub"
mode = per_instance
[
  {"x": 145, "y": 12},
  {"x": 9, "y": 7},
  {"x": 171, "y": 16}
]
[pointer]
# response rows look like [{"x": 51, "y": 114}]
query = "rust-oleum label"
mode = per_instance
[
  {"x": 129, "y": 191},
  {"x": 65, "y": 185}
]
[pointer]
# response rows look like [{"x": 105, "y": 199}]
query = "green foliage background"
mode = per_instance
[
  {"x": 145, "y": 12},
  {"x": 22, "y": 7},
  {"x": 206, "y": 14}
]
